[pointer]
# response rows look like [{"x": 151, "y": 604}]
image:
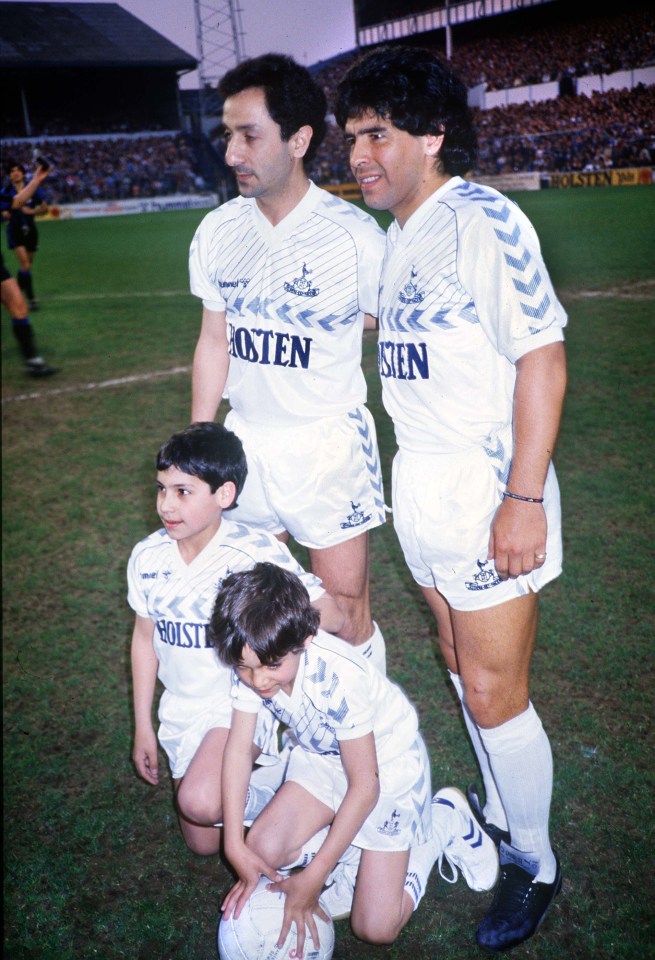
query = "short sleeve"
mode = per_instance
[
  {"x": 500, "y": 264},
  {"x": 135, "y": 595},
  {"x": 199, "y": 266}
]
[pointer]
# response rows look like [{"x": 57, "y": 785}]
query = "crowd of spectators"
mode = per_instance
[
  {"x": 113, "y": 168},
  {"x": 569, "y": 133},
  {"x": 606, "y": 130},
  {"x": 613, "y": 129},
  {"x": 603, "y": 45}
]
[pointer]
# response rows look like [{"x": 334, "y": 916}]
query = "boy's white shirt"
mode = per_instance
[
  {"x": 337, "y": 695},
  {"x": 178, "y": 597}
]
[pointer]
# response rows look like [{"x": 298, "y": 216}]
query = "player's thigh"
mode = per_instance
[
  {"x": 200, "y": 787},
  {"x": 379, "y": 911},
  {"x": 287, "y": 822},
  {"x": 207, "y": 762},
  {"x": 343, "y": 568},
  {"x": 494, "y": 647}
]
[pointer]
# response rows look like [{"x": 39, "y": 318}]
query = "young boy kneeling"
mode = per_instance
[
  {"x": 360, "y": 767},
  {"x": 173, "y": 577}
]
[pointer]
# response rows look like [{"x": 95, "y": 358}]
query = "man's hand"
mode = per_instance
[{"x": 517, "y": 543}]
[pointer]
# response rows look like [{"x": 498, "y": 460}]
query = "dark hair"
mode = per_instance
[
  {"x": 14, "y": 163},
  {"x": 419, "y": 93},
  {"x": 265, "y": 608},
  {"x": 207, "y": 451},
  {"x": 293, "y": 98}
]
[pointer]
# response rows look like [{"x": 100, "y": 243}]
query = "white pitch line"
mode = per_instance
[
  {"x": 101, "y": 385},
  {"x": 118, "y": 295}
]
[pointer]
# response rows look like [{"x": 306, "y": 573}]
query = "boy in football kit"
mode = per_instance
[
  {"x": 359, "y": 776},
  {"x": 287, "y": 273},
  {"x": 173, "y": 576},
  {"x": 473, "y": 374}
]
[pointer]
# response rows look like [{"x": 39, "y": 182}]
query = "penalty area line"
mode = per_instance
[{"x": 99, "y": 385}]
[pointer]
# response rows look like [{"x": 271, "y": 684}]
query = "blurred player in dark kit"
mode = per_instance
[
  {"x": 22, "y": 234},
  {"x": 12, "y": 296}
]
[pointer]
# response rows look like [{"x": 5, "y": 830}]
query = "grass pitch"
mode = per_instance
[{"x": 94, "y": 862}]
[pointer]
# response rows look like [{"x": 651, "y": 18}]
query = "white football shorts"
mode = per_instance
[
  {"x": 402, "y": 816},
  {"x": 184, "y": 721},
  {"x": 443, "y": 505},
  {"x": 321, "y": 481}
]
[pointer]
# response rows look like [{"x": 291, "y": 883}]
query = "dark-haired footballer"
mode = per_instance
[
  {"x": 473, "y": 370},
  {"x": 287, "y": 273}
]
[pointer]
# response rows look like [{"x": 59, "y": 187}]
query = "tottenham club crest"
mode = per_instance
[
  {"x": 410, "y": 292},
  {"x": 391, "y": 827},
  {"x": 356, "y": 518},
  {"x": 301, "y": 286},
  {"x": 484, "y": 578}
]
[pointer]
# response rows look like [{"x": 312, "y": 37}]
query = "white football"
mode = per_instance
[{"x": 254, "y": 935}]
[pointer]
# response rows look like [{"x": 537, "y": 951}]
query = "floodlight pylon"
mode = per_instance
[{"x": 219, "y": 44}]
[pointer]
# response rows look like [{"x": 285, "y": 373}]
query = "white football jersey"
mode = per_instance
[
  {"x": 338, "y": 695},
  {"x": 295, "y": 295},
  {"x": 179, "y": 598},
  {"x": 464, "y": 294}
]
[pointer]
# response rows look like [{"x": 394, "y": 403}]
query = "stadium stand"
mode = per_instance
[
  {"x": 71, "y": 72},
  {"x": 113, "y": 167},
  {"x": 610, "y": 129},
  {"x": 598, "y": 45},
  {"x": 75, "y": 73},
  {"x": 75, "y": 68}
]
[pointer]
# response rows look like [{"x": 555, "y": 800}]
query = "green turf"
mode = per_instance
[{"x": 94, "y": 863}]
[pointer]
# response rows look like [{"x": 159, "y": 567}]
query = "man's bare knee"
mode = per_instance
[
  {"x": 358, "y": 626},
  {"x": 492, "y": 701}
]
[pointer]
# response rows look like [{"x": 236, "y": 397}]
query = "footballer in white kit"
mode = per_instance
[
  {"x": 178, "y": 597},
  {"x": 288, "y": 276},
  {"x": 295, "y": 296},
  {"x": 473, "y": 372},
  {"x": 455, "y": 317}
]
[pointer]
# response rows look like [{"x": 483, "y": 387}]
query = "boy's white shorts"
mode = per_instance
[
  {"x": 402, "y": 816},
  {"x": 320, "y": 480},
  {"x": 184, "y": 722},
  {"x": 443, "y": 505}
]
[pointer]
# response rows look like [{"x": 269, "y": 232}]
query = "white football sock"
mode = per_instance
[
  {"x": 374, "y": 649},
  {"x": 493, "y": 807},
  {"x": 265, "y": 781},
  {"x": 308, "y": 850},
  {"x": 422, "y": 858},
  {"x": 522, "y": 765}
]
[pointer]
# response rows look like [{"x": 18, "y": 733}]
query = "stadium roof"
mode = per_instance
[{"x": 83, "y": 35}]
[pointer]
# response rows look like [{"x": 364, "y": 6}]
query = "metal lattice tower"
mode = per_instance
[{"x": 219, "y": 44}]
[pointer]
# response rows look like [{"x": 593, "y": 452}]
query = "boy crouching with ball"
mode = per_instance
[
  {"x": 173, "y": 576},
  {"x": 360, "y": 769}
]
